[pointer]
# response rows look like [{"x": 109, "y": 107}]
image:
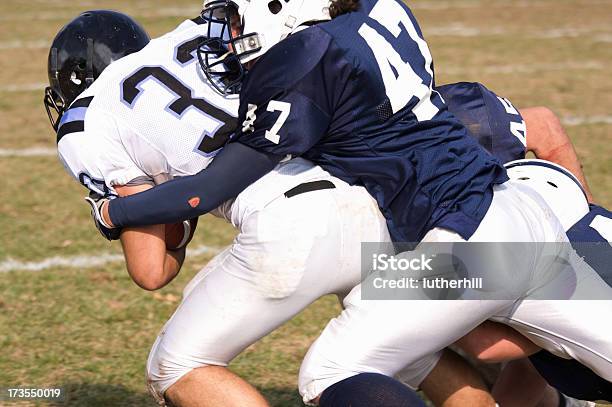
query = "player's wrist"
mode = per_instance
[
  {"x": 104, "y": 212},
  {"x": 97, "y": 204}
]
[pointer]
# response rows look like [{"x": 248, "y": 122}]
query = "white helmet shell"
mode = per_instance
[
  {"x": 559, "y": 187},
  {"x": 274, "y": 20}
]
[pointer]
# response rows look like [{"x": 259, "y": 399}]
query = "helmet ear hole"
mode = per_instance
[
  {"x": 275, "y": 7},
  {"x": 74, "y": 78}
]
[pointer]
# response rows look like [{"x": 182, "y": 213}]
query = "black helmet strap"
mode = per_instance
[
  {"x": 54, "y": 69},
  {"x": 53, "y": 99},
  {"x": 89, "y": 75}
]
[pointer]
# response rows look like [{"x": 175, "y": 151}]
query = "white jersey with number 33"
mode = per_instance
[{"x": 152, "y": 116}]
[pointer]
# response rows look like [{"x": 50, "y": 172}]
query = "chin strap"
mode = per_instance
[
  {"x": 53, "y": 100},
  {"x": 89, "y": 78},
  {"x": 54, "y": 69}
]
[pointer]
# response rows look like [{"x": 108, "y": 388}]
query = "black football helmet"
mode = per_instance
[{"x": 82, "y": 50}]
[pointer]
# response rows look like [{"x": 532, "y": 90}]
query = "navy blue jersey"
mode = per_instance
[
  {"x": 591, "y": 237},
  {"x": 492, "y": 120},
  {"x": 354, "y": 95}
]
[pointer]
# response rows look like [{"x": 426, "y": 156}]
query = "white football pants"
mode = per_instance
[
  {"x": 285, "y": 257},
  {"x": 399, "y": 337}
]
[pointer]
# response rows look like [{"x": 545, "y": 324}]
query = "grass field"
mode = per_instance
[{"x": 69, "y": 314}]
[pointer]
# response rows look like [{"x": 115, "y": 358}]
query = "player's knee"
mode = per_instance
[
  {"x": 165, "y": 369},
  {"x": 315, "y": 378}
]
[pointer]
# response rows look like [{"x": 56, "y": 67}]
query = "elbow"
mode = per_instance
[
  {"x": 148, "y": 277},
  {"x": 151, "y": 284}
]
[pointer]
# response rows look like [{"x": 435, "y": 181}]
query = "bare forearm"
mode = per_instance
[
  {"x": 148, "y": 262},
  {"x": 173, "y": 263}
]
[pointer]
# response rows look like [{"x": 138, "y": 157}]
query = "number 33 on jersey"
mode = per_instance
[{"x": 150, "y": 115}]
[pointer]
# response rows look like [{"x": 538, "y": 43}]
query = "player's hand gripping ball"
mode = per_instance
[{"x": 178, "y": 235}]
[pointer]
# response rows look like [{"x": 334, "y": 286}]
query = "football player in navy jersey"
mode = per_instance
[
  {"x": 339, "y": 104},
  {"x": 354, "y": 95}
]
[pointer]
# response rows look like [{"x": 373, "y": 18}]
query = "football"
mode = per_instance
[{"x": 178, "y": 235}]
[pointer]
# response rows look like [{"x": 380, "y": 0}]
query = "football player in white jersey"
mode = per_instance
[
  {"x": 114, "y": 141},
  {"x": 130, "y": 120}
]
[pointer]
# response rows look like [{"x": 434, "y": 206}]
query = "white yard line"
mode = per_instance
[
  {"x": 86, "y": 261},
  {"x": 585, "y": 120},
  {"x": 524, "y": 68},
  {"x": 28, "y": 152},
  {"x": 18, "y": 44},
  {"x": 603, "y": 38},
  {"x": 25, "y": 87},
  {"x": 462, "y": 30}
]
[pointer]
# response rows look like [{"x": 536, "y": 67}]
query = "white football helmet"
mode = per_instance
[
  {"x": 560, "y": 188},
  {"x": 255, "y": 26}
]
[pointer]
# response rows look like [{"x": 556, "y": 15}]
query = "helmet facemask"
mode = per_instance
[
  {"x": 54, "y": 101},
  {"x": 80, "y": 79},
  {"x": 221, "y": 53},
  {"x": 249, "y": 29}
]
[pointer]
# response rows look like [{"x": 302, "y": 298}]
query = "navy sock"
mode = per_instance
[{"x": 369, "y": 390}]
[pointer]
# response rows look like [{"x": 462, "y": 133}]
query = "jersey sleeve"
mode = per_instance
[
  {"x": 286, "y": 108},
  {"x": 286, "y": 124},
  {"x": 95, "y": 158}
]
